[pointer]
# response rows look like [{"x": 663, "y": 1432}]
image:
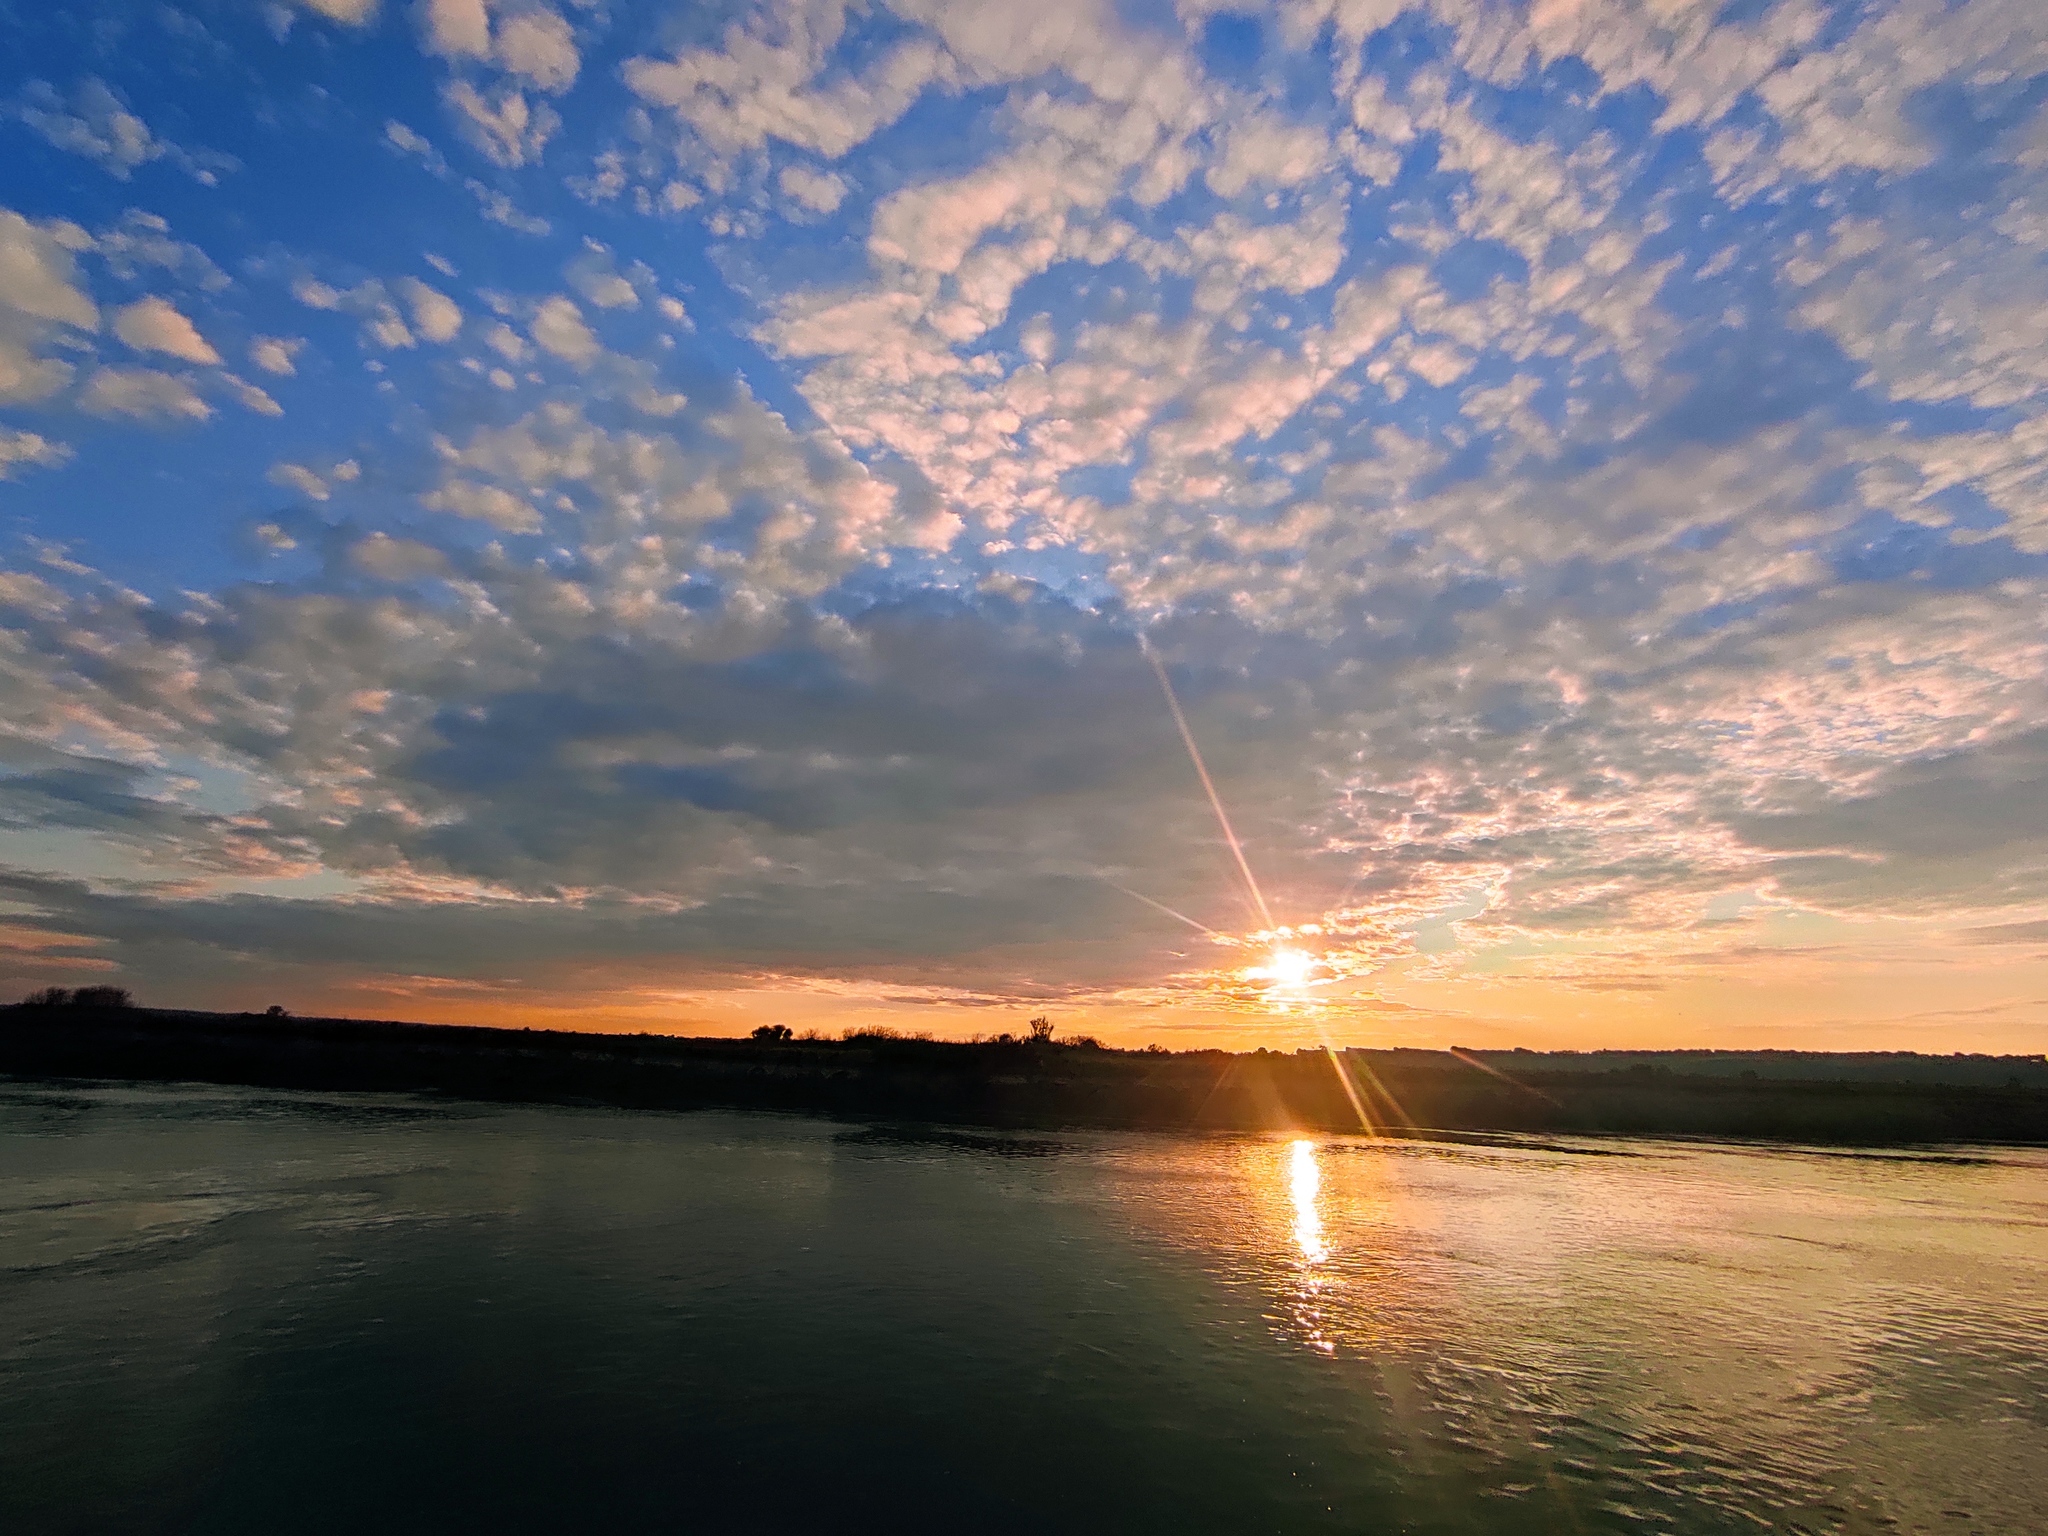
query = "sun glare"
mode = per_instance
[{"x": 1290, "y": 968}]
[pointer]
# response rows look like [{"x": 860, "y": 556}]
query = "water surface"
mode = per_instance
[{"x": 229, "y": 1310}]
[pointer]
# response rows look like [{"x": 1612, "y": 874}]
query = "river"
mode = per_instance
[{"x": 230, "y": 1310}]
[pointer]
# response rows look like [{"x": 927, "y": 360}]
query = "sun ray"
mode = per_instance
[
  {"x": 1160, "y": 906},
  {"x": 1187, "y": 736}
]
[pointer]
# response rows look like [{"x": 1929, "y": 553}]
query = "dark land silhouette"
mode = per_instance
[{"x": 1039, "y": 1082}]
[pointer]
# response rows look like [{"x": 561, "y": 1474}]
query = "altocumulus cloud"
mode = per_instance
[{"x": 1581, "y": 466}]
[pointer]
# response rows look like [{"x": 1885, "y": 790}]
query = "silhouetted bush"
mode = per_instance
[
  {"x": 84, "y": 997},
  {"x": 275, "y": 1011},
  {"x": 774, "y": 1032},
  {"x": 1041, "y": 1029}
]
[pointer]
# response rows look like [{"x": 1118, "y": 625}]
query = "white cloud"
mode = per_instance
[
  {"x": 19, "y": 449},
  {"x": 40, "y": 296},
  {"x": 391, "y": 559},
  {"x": 383, "y": 326},
  {"x": 410, "y": 141},
  {"x": 249, "y": 397},
  {"x": 593, "y": 275},
  {"x": 296, "y": 477},
  {"x": 534, "y": 43},
  {"x": 144, "y": 393},
  {"x": 500, "y": 209},
  {"x": 38, "y": 276},
  {"x": 484, "y": 504},
  {"x": 558, "y": 328},
  {"x": 1439, "y": 364},
  {"x": 764, "y": 83},
  {"x": 539, "y": 45},
  {"x": 457, "y": 28},
  {"x": 434, "y": 315},
  {"x": 819, "y": 191},
  {"x": 154, "y": 325},
  {"x": 95, "y": 124},
  {"x": 276, "y": 354},
  {"x": 505, "y": 341},
  {"x": 508, "y": 128},
  {"x": 1266, "y": 151},
  {"x": 354, "y": 13}
]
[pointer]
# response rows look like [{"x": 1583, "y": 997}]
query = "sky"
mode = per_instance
[{"x": 680, "y": 517}]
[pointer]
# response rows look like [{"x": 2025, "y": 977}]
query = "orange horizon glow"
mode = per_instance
[{"x": 1873, "y": 1001}]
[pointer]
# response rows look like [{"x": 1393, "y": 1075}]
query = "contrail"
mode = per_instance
[{"x": 1201, "y": 768}]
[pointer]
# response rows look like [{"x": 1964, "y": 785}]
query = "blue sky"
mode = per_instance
[{"x": 628, "y": 513}]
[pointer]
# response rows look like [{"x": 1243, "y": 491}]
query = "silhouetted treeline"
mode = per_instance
[{"x": 1034, "y": 1082}]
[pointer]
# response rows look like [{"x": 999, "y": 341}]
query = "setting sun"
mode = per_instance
[{"x": 1290, "y": 968}]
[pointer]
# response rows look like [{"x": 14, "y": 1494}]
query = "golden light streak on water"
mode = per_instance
[
  {"x": 1304, "y": 1183},
  {"x": 1304, "y": 1187}
]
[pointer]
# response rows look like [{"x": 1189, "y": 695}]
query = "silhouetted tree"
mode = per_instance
[
  {"x": 1041, "y": 1030},
  {"x": 774, "y": 1032},
  {"x": 102, "y": 997},
  {"x": 47, "y": 997},
  {"x": 275, "y": 1011}
]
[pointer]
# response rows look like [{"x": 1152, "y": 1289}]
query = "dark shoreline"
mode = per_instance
[{"x": 1871, "y": 1100}]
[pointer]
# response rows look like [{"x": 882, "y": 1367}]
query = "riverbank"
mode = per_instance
[{"x": 1052, "y": 1085}]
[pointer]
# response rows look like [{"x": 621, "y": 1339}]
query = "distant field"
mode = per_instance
[{"x": 1869, "y": 1099}]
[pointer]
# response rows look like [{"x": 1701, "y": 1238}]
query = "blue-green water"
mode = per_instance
[{"x": 229, "y": 1310}]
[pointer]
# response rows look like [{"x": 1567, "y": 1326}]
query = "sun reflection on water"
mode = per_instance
[
  {"x": 1305, "y": 1181},
  {"x": 1304, "y": 1184}
]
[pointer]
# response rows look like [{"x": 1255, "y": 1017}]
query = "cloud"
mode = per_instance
[
  {"x": 765, "y": 84},
  {"x": 154, "y": 325},
  {"x": 538, "y": 45},
  {"x": 40, "y": 296},
  {"x": 593, "y": 275},
  {"x": 457, "y": 28},
  {"x": 144, "y": 393},
  {"x": 558, "y": 328},
  {"x": 490, "y": 504},
  {"x": 97, "y": 124},
  {"x": 434, "y": 315},
  {"x": 249, "y": 396},
  {"x": 1586, "y": 471},
  {"x": 29, "y": 449},
  {"x": 504, "y": 125},
  {"x": 818, "y": 191},
  {"x": 534, "y": 43},
  {"x": 383, "y": 326},
  {"x": 277, "y": 354},
  {"x": 297, "y": 477},
  {"x": 391, "y": 559},
  {"x": 1266, "y": 151},
  {"x": 353, "y": 13},
  {"x": 94, "y": 124}
]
